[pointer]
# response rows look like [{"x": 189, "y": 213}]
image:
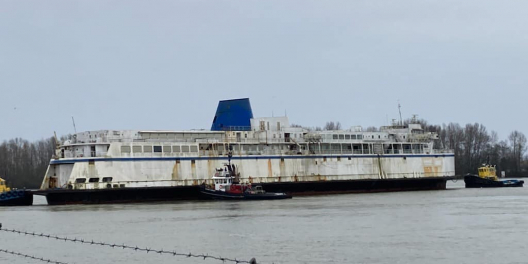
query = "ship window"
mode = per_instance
[
  {"x": 335, "y": 136},
  {"x": 353, "y": 137},
  {"x": 136, "y": 149},
  {"x": 359, "y": 136},
  {"x": 379, "y": 136},
  {"x": 194, "y": 149},
  {"x": 185, "y": 148},
  {"x": 93, "y": 180},
  {"x": 147, "y": 149},
  {"x": 341, "y": 136},
  {"x": 166, "y": 149},
  {"x": 157, "y": 148},
  {"x": 176, "y": 149},
  {"x": 347, "y": 136},
  {"x": 80, "y": 180},
  {"x": 125, "y": 149},
  {"x": 107, "y": 179}
]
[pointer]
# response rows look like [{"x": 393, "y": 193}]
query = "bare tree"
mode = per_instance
[
  {"x": 518, "y": 145},
  {"x": 23, "y": 163},
  {"x": 332, "y": 126}
]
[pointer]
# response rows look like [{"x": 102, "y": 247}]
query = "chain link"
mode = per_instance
[{"x": 123, "y": 246}]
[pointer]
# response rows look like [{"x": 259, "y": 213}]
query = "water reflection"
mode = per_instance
[{"x": 406, "y": 227}]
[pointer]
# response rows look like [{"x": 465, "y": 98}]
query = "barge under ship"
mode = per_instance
[{"x": 112, "y": 166}]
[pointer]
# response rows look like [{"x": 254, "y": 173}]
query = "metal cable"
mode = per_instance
[
  {"x": 123, "y": 246},
  {"x": 31, "y": 257}
]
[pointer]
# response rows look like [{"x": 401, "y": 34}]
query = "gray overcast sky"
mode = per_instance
[{"x": 166, "y": 64}]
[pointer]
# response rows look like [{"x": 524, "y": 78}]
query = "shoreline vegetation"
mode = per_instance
[{"x": 23, "y": 163}]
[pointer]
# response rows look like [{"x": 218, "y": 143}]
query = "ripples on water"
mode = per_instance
[{"x": 453, "y": 226}]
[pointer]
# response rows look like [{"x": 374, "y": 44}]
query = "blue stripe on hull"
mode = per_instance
[{"x": 72, "y": 161}]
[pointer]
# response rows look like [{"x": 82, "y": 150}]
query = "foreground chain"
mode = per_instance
[
  {"x": 31, "y": 257},
  {"x": 123, "y": 246}
]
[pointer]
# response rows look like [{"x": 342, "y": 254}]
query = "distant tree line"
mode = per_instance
[
  {"x": 24, "y": 163},
  {"x": 474, "y": 145}
]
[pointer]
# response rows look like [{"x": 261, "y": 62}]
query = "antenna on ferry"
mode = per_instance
[
  {"x": 399, "y": 110},
  {"x": 74, "y": 128},
  {"x": 229, "y": 155}
]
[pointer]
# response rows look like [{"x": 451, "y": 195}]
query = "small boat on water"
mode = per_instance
[
  {"x": 487, "y": 178},
  {"x": 10, "y": 197},
  {"x": 226, "y": 186}
]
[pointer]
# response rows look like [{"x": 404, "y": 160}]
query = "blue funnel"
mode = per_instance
[{"x": 233, "y": 114}]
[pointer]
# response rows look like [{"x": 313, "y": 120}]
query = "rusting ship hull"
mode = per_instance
[
  {"x": 121, "y": 195},
  {"x": 156, "y": 194}
]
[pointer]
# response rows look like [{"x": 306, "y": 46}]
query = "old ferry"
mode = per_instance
[{"x": 111, "y": 166}]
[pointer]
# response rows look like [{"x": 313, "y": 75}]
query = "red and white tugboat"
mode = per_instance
[{"x": 227, "y": 186}]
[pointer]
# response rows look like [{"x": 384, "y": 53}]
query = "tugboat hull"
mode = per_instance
[
  {"x": 16, "y": 198},
  {"x": 473, "y": 181},
  {"x": 220, "y": 195}
]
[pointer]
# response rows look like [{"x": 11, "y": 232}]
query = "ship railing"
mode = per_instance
[
  {"x": 443, "y": 151},
  {"x": 236, "y": 128},
  {"x": 235, "y": 141}
]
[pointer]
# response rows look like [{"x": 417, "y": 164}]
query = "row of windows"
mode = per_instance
[
  {"x": 158, "y": 149},
  {"x": 346, "y": 136},
  {"x": 83, "y": 180}
]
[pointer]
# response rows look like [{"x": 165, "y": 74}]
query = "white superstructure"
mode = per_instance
[{"x": 270, "y": 151}]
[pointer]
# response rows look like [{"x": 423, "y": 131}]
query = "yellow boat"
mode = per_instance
[
  {"x": 10, "y": 197},
  {"x": 487, "y": 178},
  {"x": 3, "y": 186}
]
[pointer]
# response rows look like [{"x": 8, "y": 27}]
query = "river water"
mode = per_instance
[{"x": 456, "y": 225}]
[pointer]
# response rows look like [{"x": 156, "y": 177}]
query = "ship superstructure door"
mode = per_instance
[{"x": 239, "y": 136}]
